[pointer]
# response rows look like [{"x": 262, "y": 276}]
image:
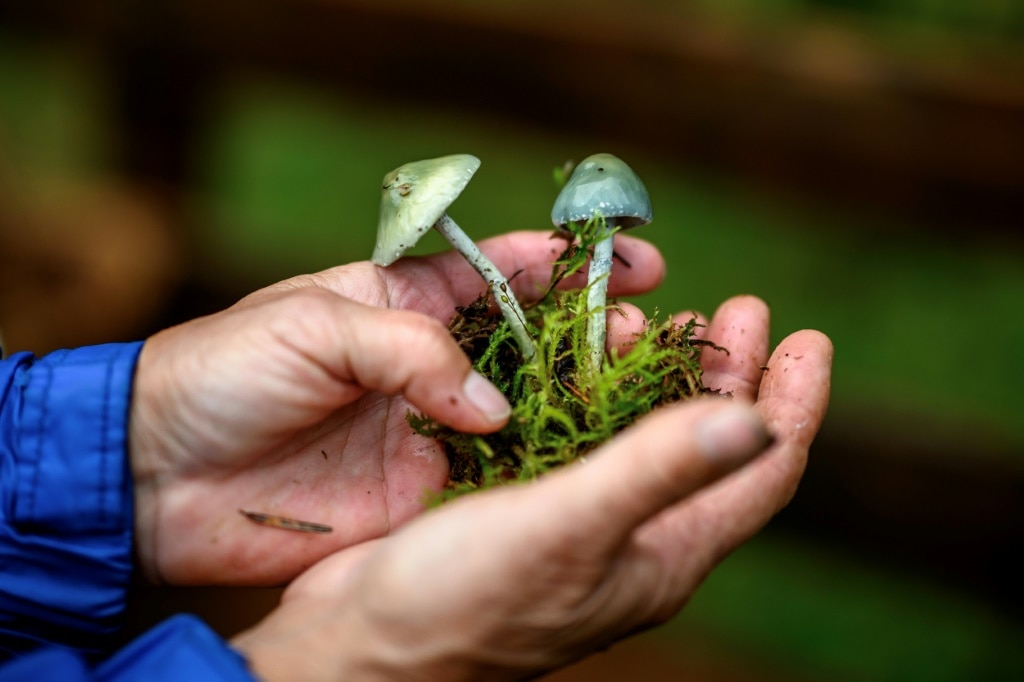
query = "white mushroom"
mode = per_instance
[
  {"x": 602, "y": 185},
  {"x": 414, "y": 198}
]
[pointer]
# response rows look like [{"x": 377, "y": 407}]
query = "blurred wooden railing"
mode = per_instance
[{"x": 819, "y": 109}]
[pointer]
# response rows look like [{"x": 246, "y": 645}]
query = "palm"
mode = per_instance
[
  {"x": 362, "y": 472},
  {"x": 302, "y": 436}
]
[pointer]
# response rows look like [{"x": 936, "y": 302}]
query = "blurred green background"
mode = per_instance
[{"x": 860, "y": 166}]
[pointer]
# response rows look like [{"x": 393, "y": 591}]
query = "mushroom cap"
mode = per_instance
[
  {"x": 603, "y": 183},
  {"x": 414, "y": 197}
]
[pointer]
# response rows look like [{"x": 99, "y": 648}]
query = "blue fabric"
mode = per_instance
[
  {"x": 180, "y": 648},
  {"x": 66, "y": 525}
]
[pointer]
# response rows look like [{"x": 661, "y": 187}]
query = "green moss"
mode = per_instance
[{"x": 561, "y": 409}]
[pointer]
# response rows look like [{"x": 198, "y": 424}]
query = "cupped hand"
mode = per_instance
[
  {"x": 520, "y": 580},
  {"x": 293, "y": 402}
]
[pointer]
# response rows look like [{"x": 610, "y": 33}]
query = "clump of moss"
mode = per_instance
[{"x": 561, "y": 410}]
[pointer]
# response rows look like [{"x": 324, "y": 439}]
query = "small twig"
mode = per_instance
[
  {"x": 575, "y": 391},
  {"x": 285, "y": 523}
]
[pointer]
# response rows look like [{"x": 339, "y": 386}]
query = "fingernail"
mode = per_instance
[
  {"x": 732, "y": 435},
  {"x": 485, "y": 396}
]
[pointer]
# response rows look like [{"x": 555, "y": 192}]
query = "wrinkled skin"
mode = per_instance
[
  {"x": 239, "y": 409},
  {"x": 294, "y": 402}
]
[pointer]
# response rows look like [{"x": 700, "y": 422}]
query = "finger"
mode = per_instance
[
  {"x": 740, "y": 326},
  {"x": 393, "y": 352},
  {"x": 625, "y": 323},
  {"x": 653, "y": 465},
  {"x": 795, "y": 389},
  {"x": 700, "y": 329},
  {"x": 435, "y": 284},
  {"x": 637, "y": 268},
  {"x": 531, "y": 254},
  {"x": 794, "y": 398},
  {"x": 683, "y": 318}
]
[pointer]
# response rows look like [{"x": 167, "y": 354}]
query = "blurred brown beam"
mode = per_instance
[{"x": 818, "y": 112}]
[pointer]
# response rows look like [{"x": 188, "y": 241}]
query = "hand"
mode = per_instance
[
  {"x": 293, "y": 402},
  {"x": 520, "y": 580}
]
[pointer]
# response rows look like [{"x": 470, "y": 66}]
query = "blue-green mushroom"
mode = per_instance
[
  {"x": 602, "y": 186},
  {"x": 414, "y": 198}
]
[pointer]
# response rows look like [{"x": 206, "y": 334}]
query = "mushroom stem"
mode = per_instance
[
  {"x": 597, "y": 294},
  {"x": 499, "y": 286}
]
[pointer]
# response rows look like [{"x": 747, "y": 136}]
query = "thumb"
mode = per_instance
[
  {"x": 401, "y": 352},
  {"x": 655, "y": 464}
]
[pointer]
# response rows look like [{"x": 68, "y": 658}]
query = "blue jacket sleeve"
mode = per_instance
[
  {"x": 180, "y": 648},
  {"x": 66, "y": 517},
  {"x": 66, "y": 510}
]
